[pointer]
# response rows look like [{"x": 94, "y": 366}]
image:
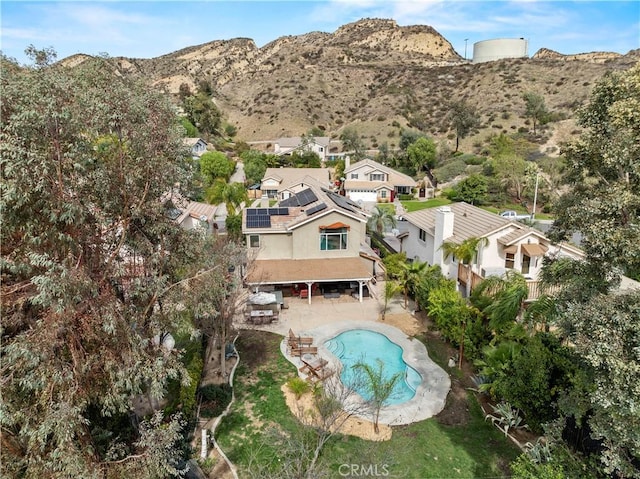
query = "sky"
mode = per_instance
[{"x": 147, "y": 29}]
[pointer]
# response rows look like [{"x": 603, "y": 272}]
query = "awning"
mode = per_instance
[
  {"x": 533, "y": 249},
  {"x": 513, "y": 249},
  {"x": 335, "y": 226}
]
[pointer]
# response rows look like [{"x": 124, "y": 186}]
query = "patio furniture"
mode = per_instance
[
  {"x": 298, "y": 341},
  {"x": 300, "y": 351}
]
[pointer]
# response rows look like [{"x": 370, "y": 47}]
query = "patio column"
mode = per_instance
[
  {"x": 309, "y": 292},
  {"x": 360, "y": 283}
]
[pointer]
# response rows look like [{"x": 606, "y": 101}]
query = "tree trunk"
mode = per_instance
[{"x": 461, "y": 352}]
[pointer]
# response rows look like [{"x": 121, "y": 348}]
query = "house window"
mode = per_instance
[
  {"x": 254, "y": 241},
  {"x": 333, "y": 239},
  {"x": 422, "y": 234},
  {"x": 509, "y": 261},
  {"x": 383, "y": 194},
  {"x": 354, "y": 176},
  {"x": 376, "y": 177},
  {"x": 526, "y": 263}
]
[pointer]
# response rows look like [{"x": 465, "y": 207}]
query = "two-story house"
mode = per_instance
[
  {"x": 317, "y": 144},
  {"x": 509, "y": 245},
  {"x": 369, "y": 181},
  {"x": 276, "y": 182},
  {"x": 313, "y": 242}
]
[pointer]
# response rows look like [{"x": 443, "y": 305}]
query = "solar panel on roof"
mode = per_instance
[
  {"x": 306, "y": 197},
  {"x": 341, "y": 202},
  {"x": 259, "y": 221},
  {"x": 251, "y": 212},
  {"x": 316, "y": 208},
  {"x": 278, "y": 211}
]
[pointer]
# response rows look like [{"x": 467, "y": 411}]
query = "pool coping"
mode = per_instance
[{"x": 431, "y": 394}]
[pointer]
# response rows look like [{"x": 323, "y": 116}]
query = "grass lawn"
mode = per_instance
[
  {"x": 434, "y": 448},
  {"x": 420, "y": 205}
]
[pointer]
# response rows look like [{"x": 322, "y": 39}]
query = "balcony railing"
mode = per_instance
[{"x": 535, "y": 287}]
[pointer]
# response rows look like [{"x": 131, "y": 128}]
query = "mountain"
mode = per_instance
[{"x": 373, "y": 75}]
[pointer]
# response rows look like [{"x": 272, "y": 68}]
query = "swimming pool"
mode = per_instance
[{"x": 361, "y": 345}]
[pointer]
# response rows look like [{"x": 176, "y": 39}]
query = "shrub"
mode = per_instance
[
  {"x": 215, "y": 398},
  {"x": 298, "y": 386}
]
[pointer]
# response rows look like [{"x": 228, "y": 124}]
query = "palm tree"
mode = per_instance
[
  {"x": 378, "y": 386},
  {"x": 390, "y": 289},
  {"x": 508, "y": 294},
  {"x": 466, "y": 252},
  {"x": 381, "y": 219},
  {"x": 231, "y": 194},
  {"x": 410, "y": 276}
]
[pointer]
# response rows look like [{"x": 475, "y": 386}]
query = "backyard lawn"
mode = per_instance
[
  {"x": 465, "y": 446},
  {"x": 410, "y": 206}
]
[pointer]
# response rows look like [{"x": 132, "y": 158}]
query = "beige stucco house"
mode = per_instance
[
  {"x": 369, "y": 181},
  {"x": 317, "y": 144},
  {"x": 277, "y": 182},
  {"x": 510, "y": 245},
  {"x": 313, "y": 242}
]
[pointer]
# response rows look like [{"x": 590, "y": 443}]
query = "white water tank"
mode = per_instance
[{"x": 499, "y": 48}]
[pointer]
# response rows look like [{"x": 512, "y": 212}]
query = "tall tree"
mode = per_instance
[
  {"x": 603, "y": 167},
  {"x": 466, "y": 252},
  {"x": 604, "y": 204},
  {"x": 463, "y": 118},
  {"x": 535, "y": 109},
  {"x": 352, "y": 143},
  {"x": 214, "y": 165},
  {"x": 88, "y": 256},
  {"x": 422, "y": 154},
  {"x": 472, "y": 189}
]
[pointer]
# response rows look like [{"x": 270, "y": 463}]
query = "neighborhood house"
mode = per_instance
[
  {"x": 509, "y": 245},
  {"x": 370, "y": 181}
]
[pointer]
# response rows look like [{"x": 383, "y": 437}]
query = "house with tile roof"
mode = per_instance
[
  {"x": 510, "y": 245},
  {"x": 317, "y": 144},
  {"x": 369, "y": 181},
  {"x": 277, "y": 182},
  {"x": 191, "y": 215},
  {"x": 312, "y": 242}
]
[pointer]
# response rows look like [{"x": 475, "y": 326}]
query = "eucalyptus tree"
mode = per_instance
[
  {"x": 88, "y": 258},
  {"x": 535, "y": 108},
  {"x": 463, "y": 118},
  {"x": 603, "y": 203}
]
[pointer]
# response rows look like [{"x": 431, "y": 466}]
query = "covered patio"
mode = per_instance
[{"x": 310, "y": 273}]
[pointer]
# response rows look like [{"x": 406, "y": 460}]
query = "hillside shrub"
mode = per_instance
[{"x": 450, "y": 170}]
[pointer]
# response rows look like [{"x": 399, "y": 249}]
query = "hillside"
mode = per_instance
[{"x": 373, "y": 75}]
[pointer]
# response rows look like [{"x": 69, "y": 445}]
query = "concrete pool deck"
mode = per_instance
[{"x": 325, "y": 319}]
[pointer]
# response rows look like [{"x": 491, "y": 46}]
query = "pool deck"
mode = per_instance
[{"x": 325, "y": 319}]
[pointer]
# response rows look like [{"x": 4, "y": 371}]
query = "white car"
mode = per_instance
[{"x": 514, "y": 215}]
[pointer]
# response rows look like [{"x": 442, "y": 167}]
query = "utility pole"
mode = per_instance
[
  {"x": 535, "y": 198},
  {"x": 465, "y": 48}
]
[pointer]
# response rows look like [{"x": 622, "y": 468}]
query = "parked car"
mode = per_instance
[{"x": 514, "y": 215}]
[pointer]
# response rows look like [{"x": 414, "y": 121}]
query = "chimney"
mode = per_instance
[
  {"x": 264, "y": 201},
  {"x": 443, "y": 230},
  {"x": 347, "y": 161}
]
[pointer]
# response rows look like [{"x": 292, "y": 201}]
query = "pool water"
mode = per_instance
[{"x": 360, "y": 345}]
